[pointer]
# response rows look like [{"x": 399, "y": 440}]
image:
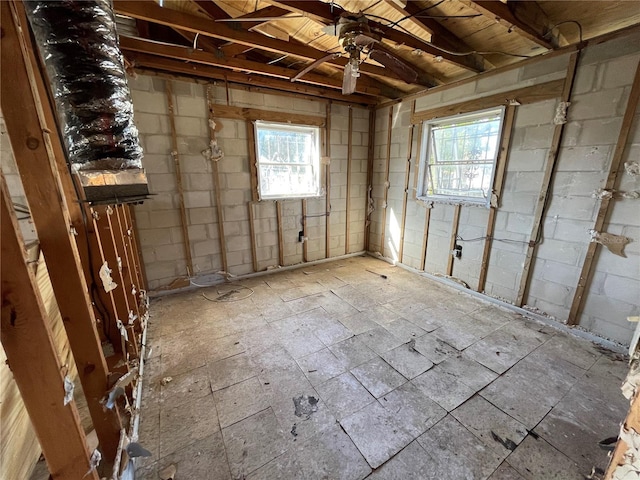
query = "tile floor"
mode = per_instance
[{"x": 334, "y": 372}]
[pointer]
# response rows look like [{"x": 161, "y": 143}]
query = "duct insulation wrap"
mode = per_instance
[{"x": 79, "y": 45}]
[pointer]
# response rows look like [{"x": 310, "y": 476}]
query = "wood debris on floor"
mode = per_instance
[{"x": 332, "y": 372}]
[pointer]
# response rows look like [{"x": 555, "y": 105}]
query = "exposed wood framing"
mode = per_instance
[
  {"x": 425, "y": 238},
  {"x": 498, "y": 185},
  {"x": 280, "y": 233},
  {"x": 605, "y": 202},
  {"x": 253, "y": 160},
  {"x": 454, "y": 237},
  {"x": 33, "y": 359},
  {"x": 526, "y": 22},
  {"x": 141, "y": 273},
  {"x": 252, "y": 236},
  {"x": 245, "y": 113},
  {"x": 524, "y": 96},
  {"x": 305, "y": 242},
  {"x": 369, "y": 192},
  {"x": 327, "y": 176},
  {"x": 547, "y": 185},
  {"x": 416, "y": 163},
  {"x": 130, "y": 266},
  {"x": 215, "y": 174},
  {"x": 631, "y": 423},
  {"x": 405, "y": 195},
  {"x": 385, "y": 186},
  {"x": 349, "y": 167},
  {"x": 178, "y": 173},
  {"x": 31, "y": 144}
]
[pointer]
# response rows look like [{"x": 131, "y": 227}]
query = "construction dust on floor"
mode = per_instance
[{"x": 357, "y": 369}]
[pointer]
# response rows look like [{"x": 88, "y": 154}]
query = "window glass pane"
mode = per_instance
[{"x": 287, "y": 180}]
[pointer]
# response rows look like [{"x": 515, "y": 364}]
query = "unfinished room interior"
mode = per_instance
[{"x": 300, "y": 240}]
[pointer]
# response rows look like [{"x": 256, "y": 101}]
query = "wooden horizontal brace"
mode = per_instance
[
  {"x": 246, "y": 113},
  {"x": 524, "y": 96}
]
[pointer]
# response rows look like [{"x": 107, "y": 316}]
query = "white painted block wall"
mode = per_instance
[
  {"x": 600, "y": 95},
  {"x": 159, "y": 218}
]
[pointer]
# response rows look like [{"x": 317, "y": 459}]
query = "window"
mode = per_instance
[
  {"x": 288, "y": 160},
  {"x": 459, "y": 157}
]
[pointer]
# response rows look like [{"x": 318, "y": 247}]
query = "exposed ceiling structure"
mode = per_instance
[{"x": 354, "y": 50}]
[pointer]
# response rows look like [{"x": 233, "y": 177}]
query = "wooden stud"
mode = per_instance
[
  {"x": 176, "y": 162},
  {"x": 416, "y": 170},
  {"x": 349, "y": 167},
  {"x": 524, "y": 96},
  {"x": 305, "y": 243},
  {"x": 280, "y": 233},
  {"x": 253, "y": 161},
  {"x": 327, "y": 169},
  {"x": 123, "y": 240},
  {"x": 34, "y": 154},
  {"x": 215, "y": 174},
  {"x": 425, "y": 239},
  {"x": 405, "y": 196},
  {"x": 370, "y": 155},
  {"x": 33, "y": 359},
  {"x": 605, "y": 202},
  {"x": 454, "y": 237},
  {"x": 139, "y": 263},
  {"x": 631, "y": 422},
  {"x": 547, "y": 185},
  {"x": 252, "y": 236},
  {"x": 498, "y": 185},
  {"x": 252, "y": 114},
  {"x": 386, "y": 182}
]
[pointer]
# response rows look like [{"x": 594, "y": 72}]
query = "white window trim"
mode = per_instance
[
  {"x": 424, "y": 158},
  {"x": 294, "y": 128}
]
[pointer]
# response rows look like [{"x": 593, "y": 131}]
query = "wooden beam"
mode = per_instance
[
  {"x": 211, "y": 8},
  {"x": 547, "y": 185},
  {"x": 605, "y": 202},
  {"x": 253, "y": 160},
  {"x": 176, "y": 52},
  {"x": 252, "y": 236},
  {"x": 305, "y": 243},
  {"x": 252, "y": 114},
  {"x": 508, "y": 15},
  {"x": 498, "y": 185},
  {"x": 192, "y": 23},
  {"x": 440, "y": 36},
  {"x": 425, "y": 238},
  {"x": 327, "y": 174},
  {"x": 178, "y": 173},
  {"x": 385, "y": 186},
  {"x": 155, "y": 63},
  {"x": 370, "y": 154},
  {"x": 33, "y": 359},
  {"x": 454, "y": 237},
  {"x": 349, "y": 167},
  {"x": 631, "y": 423},
  {"x": 326, "y": 13},
  {"x": 523, "y": 95},
  {"x": 280, "y": 233},
  {"x": 405, "y": 196},
  {"x": 31, "y": 144}
]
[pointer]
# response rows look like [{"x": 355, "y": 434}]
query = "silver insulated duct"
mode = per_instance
[{"x": 79, "y": 45}]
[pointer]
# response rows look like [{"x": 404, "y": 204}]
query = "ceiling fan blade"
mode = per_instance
[
  {"x": 313, "y": 65},
  {"x": 349, "y": 80},
  {"x": 395, "y": 64}
]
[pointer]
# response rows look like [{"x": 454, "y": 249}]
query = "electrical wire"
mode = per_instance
[
  {"x": 575, "y": 22},
  {"x": 488, "y": 237},
  {"x": 227, "y": 296},
  {"x": 449, "y": 16},
  {"x": 416, "y": 13}
]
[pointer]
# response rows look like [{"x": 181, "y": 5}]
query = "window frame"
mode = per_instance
[
  {"x": 425, "y": 154},
  {"x": 316, "y": 162}
]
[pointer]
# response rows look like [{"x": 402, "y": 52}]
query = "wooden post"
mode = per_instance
[
  {"x": 547, "y": 185},
  {"x": 370, "y": 154},
  {"x": 498, "y": 184},
  {"x": 454, "y": 237},
  {"x": 305, "y": 248},
  {"x": 33, "y": 359},
  {"x": 139, "y": 261},
  {"x": 405, "y": 196},
  {"x": 215, "y": 172},
  {"x": 280, "y": 233},
  {"x": 176, "y": 162},
  {"x": 129, "y": 263},
  {"x": 416, "y": 171},
  {"x": 31, "y": 144},
  {"x": 327, "y": 153},
  {"x": 386, "y": 182},
  {"x": 605, "y": 202},
  {"x": 252, "y": 234},
  {"x": 253, "y": 161},
  {"x": 349, "y": 161},
  {"x": 425, "y": 239}
]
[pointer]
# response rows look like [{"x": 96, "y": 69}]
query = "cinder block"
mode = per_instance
[
  {"x": 164, "y": 218},
  {"x": 527, "y": 160},
  {"x": 161, "y": 270},
  {"x": 235, "y": 197},
  {"x": 197, "y": 199},
  {"x": 620, "y": 71},
  {"x": 524, "y": 182},
  {"x": 202, "y": 216},
  {"x": 278, "y": 102},
  {"x": 154, "y": 237},
  {"x": 307, "y": 106},
  {"x": 560, "y": 251},
  {"x": 161, "y": 182},
  {"x": 190, "y": 107},
  {"x": 606, "y": 103},
  {"x": 556, "y": 312},
  {"x": 235, "y": 213},
  {"x": 191, "y": 126},
  {"x": 156, "y": 163},
  {"x": 619, "y": 332},
  {"x": 240, "y": 181},
  {"x": 599, "y": 132},
  {"x": 578, "y": 208},
  {"x": 550, "y": 65},
  {"x": 578, "y": 183},
  {"x": 199, "y": 181},
  {"x": 537, "y": 137},
  {"x": 429, "y": 100},
  {"x": 148, "y": 102},
  {"x": 244, "y": 97},
  {"x": 496, "y": 83},
  {"x": 169, "y": 252},
  {"x": 594, "y": 158},
  {"x": 605, "y": 307},
  {"x": 157, "y": 144},
  {"x": 208, "y": 247},
  {"x": 539, "y": 113},
  {"x": 197, "y": 233},
  {"x": 139, "y": 82}
]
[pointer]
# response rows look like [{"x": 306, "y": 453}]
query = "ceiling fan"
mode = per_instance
[{"x": 360, "y": 42}]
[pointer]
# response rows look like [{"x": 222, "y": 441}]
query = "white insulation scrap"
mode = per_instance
[
  {"x": 561, "y": 113},
  {"x": 105, "y": 276},
  {"x": 632, "y": 168},
  {"x": 123, "y": 330},
  {"x": 68, "y": 390},
  {"x": 630, "y": 468}
]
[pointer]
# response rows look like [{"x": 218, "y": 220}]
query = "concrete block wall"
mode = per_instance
[
  {"x": 159, "y": 219},
  {"x": 600, "y": 94}
]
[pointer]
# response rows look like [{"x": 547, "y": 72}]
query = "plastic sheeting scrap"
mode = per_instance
[
  {"x": 94, "y": 461},
  {"x": 123, "y": 330},
  {"x": 561, "y": 113},
  {"x": 68, "y": 390},
  {"x": 105, "y": 276},
  {"x": 135, "y": 450},
  {"x": 615, "y": 243}
]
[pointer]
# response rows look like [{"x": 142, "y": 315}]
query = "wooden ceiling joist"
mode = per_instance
[
  {"x": 326, "y": 14},
  {"x": 191, "y": 23},
  {"x": 210, "y": 8},
  {"x": 525, "y": 18},
  {"x": 155, "y": 63}
]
